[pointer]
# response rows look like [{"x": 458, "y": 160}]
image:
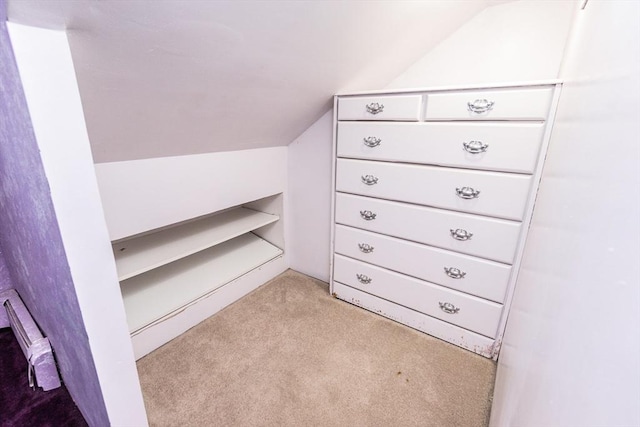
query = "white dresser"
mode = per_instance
[{"x": 434, "y": 192}]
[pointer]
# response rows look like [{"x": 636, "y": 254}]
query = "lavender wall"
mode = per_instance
[
  {"x": 5, "y": 280},
  {"x": 32, "y": 247}
]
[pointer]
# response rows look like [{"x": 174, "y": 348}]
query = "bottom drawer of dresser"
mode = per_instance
[
  {"x": 445, "y": 331},
  {"x": 467, "y": 311}
]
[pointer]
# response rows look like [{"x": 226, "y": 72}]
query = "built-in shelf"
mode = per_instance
[
  {"x": 158, "y": 293},
  {"x": 143, "y": 254}
]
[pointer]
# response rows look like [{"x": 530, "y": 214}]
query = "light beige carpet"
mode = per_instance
[{"x": 289, "y": 354}]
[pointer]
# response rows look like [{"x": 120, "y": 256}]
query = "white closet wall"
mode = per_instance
[
  {"x": 515, "y": 41},
  {"x": 142, "y": 195},
  {"x": 309, "y": 228},
  {"x": 571, "y": 353}
]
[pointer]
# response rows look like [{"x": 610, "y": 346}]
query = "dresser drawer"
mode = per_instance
[
  {"x": 501, "y": 195},
  {"x": 493, "y": 104},
  {"x": 509, "y": 147},
  {"x": 449, "y": 332},
  {"x": 480, "y": 277},
  {"x": 402, "y": 107},
  {"x": 464, "y": 310},
  {"x": 491, "y": 238}
]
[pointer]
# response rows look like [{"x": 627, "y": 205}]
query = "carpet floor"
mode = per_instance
[
  {"x": 22, "y": 406},
  {"x": 289, "y": 354}
]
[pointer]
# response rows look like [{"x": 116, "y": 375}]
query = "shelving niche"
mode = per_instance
[
  {"x": 192, "y": 234},
  {"x": 164, "y": 271}
]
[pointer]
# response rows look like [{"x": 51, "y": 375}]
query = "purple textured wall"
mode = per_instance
[
  {"x": 32, "y": 247},
  {"x": 5, "y": 279},
  {"x": 4, "y": 273}
]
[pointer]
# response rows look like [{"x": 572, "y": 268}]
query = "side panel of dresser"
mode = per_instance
[{"x": 537, "y": 176}]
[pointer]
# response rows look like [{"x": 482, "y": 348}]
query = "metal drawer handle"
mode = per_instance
[
  {"x": 375, "y": 108},
  {"x": 467, "y": 193},
  {"x": 460, "y": 234},
  {"x": 480, "y": 106},
  {"x": 449, "y": 308},
  {"x": 372, "y": 141},
  {"x": 475, "y": 147},
  {"x": 367, "y": 215},
  {"x": 454, "y": 273},
  {"x": 366, "y": 248},
  {"x": 363, "y": 278},
  {"x": 369, "y": 179}
]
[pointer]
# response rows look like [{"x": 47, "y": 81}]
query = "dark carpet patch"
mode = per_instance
[{"x": 22, "y": 406}]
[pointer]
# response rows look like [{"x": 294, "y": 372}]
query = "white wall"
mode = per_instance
[
  {"x": 511, "y": 42},
  {"x": 142, "y": 195},
  {"x": 309, "y": 195},
  {"x": 571, "y": 352},
  {"x": 46, "y": 70}
]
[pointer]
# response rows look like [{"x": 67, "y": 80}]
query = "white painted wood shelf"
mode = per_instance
[
  {"x": 143, "y": 254},
  {"x": 159, "y": 293},
  {"x": 191, "y": 235}
]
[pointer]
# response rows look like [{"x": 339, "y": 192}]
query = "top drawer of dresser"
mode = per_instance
[
  {"x": 492, "y": 104},
  {"x": 398, "y": 107}
]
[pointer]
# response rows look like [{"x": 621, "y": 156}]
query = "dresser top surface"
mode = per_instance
[{"x": 392, "y": 91}]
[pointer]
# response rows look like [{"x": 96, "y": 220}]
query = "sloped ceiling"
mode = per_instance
[{"x": 166, "y": 78}]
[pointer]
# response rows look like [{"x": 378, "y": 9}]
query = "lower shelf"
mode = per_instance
[
  {"x": 445, "y": 331},
  {"x": 159, "y": 292}
]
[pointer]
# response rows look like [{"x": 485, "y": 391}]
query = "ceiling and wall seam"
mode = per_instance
[{"x": 184, "y": 78}]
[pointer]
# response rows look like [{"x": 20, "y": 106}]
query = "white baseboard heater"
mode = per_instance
[{"x": 36, "y": 348}]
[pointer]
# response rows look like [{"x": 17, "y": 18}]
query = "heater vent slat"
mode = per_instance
[{"x": 21, "y": 334}]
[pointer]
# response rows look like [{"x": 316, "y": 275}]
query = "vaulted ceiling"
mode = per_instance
[{"x": 163, "y": 78}]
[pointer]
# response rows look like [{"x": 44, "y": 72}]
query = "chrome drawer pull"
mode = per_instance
[
  {"x": 467, "y": 193},
  {"x": 372, "y": 141},
  {"x": 475, "y": 147},
  {"x": 366, "y": 248},
  {"x": 362, "y": 278},
  {"x": 460, "y": 234},
  {"x": 369, "y": 179},
  {"x": 454, "y": 273},
  {"x": 375, "y": 108},
  {"x": 480, "y": 106},
  {"x": 449, "y": 308},
  {"x": 367, "y": 215}
]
